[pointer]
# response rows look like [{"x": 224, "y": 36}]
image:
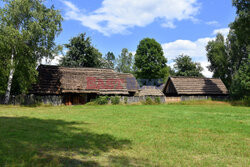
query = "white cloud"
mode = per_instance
[
  {"x": 212, "y": 23},
  {"x": 223, "y": 31},
  {"x": 54, "y": 61},
  {"x": 195, "y": 49},
  {"x": 117, "y": 16}
]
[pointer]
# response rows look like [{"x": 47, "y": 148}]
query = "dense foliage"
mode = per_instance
[
  {"x": 185, "y": 67},
  {"x": 110, "y": 60},
  {"x": 115, "y": 100},
  {"x": 230, "y": 59},
  {"x": 27, "y": 32},
  {"x": 150, "y": 62},
  {"x": 125, "y": 62},
  {"x": 101, "y": 100},
  {"x": 81, "y": 53}
]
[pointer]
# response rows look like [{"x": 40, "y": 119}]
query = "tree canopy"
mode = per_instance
[
  {"x": 27, "y": 31},
  {"x": 81, "y": 53},
  {"x": 110, "y": 60},
  {"x": 150, "y": 62},
  {"x": 219, "y": 59},
  {"x": 230, "y": 58},
  {"x": 185, "y": 67},
  {"x": 125, "y": 62}
]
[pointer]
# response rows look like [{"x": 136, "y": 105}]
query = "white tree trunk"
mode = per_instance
[{"x": 12, "y": 70}]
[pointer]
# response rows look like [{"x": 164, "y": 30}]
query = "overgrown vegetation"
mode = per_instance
[
  {"x": 101, "y": 100},
  {"x": 115, "y": 100},
  {"x": 125, "y": 100},
  {"x": 148, "y": 101},
  {"x": 157, "y": 100}
]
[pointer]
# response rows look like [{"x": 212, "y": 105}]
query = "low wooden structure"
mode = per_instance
[
  {"x": 194, "y": 88},
  {"x": 80, "y": 85}
]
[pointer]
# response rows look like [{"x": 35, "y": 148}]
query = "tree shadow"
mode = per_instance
[
  {"x": 128, "y": 161},
  {"x": 215, "y": 92},
  {"x": 36, "y": 142}
]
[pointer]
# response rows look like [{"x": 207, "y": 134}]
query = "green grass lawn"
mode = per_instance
[{"x": 134, "y": 135}]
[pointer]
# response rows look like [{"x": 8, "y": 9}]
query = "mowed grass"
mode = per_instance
[{"x": 134, "y": 135}]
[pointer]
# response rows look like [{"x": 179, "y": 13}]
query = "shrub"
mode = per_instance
[
  {"x": 102, "y": 100},
  {"x": 244, "y": 102},
  {"x": 115, "y": 100},
  {"x": 149, "y": 101},
  {"x": 157, "y": 100},
  {"x": 126, "y": 100}
]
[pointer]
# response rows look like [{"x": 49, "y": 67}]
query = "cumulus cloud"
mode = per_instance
[
  {"x": 195, "y": 49},
  {"x": 223, "y": 31},
  {"x": 117, "y": 16}
]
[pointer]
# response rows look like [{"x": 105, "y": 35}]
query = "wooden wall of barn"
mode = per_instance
[{"x": 32, "y": 99}]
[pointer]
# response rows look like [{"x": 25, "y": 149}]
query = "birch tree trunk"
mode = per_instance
[{"x": 12, "y": 70}]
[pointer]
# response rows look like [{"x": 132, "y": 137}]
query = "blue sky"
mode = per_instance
[{"x": 181, "y": 26}]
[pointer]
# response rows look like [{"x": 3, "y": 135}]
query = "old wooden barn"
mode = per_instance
[
  {"x": 193, "y": 88},
  {"x": 80, "y": 85}
]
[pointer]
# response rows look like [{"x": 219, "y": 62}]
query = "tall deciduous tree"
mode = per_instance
[
  {"x": 125, "y": 62},
  {"x": 150, "y": 62},
  {"x": 81, "y": 53},
  {"x": 230, "y": 60},
  {"x": 219, "y": 59},
  {"x": 185, "y": 67},
  {"x": 110, "y": 60},
  {"x": 27, "y": 29}
]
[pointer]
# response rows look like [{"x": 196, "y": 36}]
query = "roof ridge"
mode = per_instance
[
  {"x": 192, "y": 77},
  {"x": 75, "y": 67}
]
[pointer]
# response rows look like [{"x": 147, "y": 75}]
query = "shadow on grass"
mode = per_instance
[{"x": 36, "y": 142}]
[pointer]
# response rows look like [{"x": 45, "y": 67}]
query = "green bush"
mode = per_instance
[
  {"x": 126, "y": 100},
  {"x": 115, "y": 100},
  {"x": 244, "y": 102},
  {"x": 102, "y": 100},
  {"x": 157, "y": 100},
  {"x": 149, "y": 101}
]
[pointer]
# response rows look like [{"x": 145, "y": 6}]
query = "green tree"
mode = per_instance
[
  {"x": 125, "y": 62},
  {"x": 239, "y": 49},
  {"x": 240, "y": 87},
  {"x": 185, "y": 67},
  {"x": 219, "y": 59},
  {"x": 81, "y": 53},
  {"x": 241, "y": 24},
  {"x": 150, "y": 62},
  {"x": 110, "y": 60},
  {"x": 27, "y": 29},
  {"x": 230, "y": 60}
]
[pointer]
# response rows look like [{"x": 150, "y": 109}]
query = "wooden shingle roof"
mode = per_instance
[
  {"x": 150, "y": 91},
  {"x": 130, "y": 81},
  {"x": 195, "y": 86},
  {"x": 56, "y": 80}
]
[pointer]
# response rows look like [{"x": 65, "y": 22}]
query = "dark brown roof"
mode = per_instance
[
  {"x": 56, "y": 80},
  {"x": 150, "y": 91},
  {"x": 195, "y": 86}
]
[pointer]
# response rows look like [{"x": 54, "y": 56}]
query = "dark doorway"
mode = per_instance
[{"x": 75, "y": 99}]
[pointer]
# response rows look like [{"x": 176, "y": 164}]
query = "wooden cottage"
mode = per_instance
[
  {"x": 193, "y": 88},
  {"x": 80, "y": 85}
]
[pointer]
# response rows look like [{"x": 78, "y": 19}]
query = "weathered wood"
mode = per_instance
[{"x": 194, "y": 86}]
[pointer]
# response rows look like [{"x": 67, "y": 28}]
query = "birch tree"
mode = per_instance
[{"x": 27, "y": 30}]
